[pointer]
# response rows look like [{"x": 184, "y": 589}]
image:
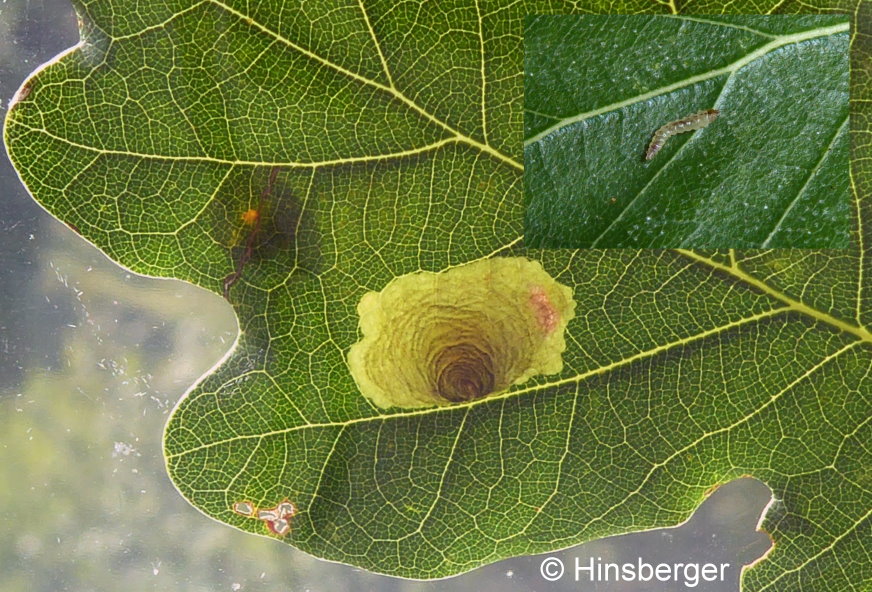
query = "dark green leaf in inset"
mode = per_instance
[{"x": 772, "y": 171}]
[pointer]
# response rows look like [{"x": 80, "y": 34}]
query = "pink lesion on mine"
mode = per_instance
[
  {"x": 277, "y": 519},
  {"x": 546, "y": 315}
]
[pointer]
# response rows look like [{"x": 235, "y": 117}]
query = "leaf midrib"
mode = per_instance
[
  {"x": 390, "y": 89},
  {"x": 791, "y": 305},
  {"x": 285, "y": 164},
  {"x": 456, "y": 135},
  {"x": 735, "y": 270},
  {"x": 779, "y": 42}
]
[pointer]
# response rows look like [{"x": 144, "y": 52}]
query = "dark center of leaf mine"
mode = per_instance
[
  {"x": 461, "y": 334},
  {"x": 464, "y": 373}
]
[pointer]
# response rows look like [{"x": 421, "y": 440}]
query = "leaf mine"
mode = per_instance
[
  {"x": 460, "y": 335},
  {"x": 244, "y": 508},
  {"x": 277, "y": 519}
]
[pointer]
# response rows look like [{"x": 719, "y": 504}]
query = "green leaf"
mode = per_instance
[
  {"x": 378, "y": 140},
  {"x": 770, "y": 171}
]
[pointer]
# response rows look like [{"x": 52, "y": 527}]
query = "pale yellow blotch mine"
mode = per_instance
[{"x": 459, "y": 335}]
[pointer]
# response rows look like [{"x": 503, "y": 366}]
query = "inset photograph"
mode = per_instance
[{"x": 685, "y": 131}]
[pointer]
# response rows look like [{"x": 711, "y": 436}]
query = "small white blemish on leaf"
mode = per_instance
[
  {"x": 244, "y": 508},
  {"x": 277, "y": 520}
]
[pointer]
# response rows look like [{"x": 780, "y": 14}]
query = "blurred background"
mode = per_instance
[{"x": 93, "y": 358}]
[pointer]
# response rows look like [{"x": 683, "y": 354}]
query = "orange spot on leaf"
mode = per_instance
[{"x": 250, "y": 217}]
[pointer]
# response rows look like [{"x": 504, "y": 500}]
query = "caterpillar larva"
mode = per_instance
[{"x": 685, "y": 124}]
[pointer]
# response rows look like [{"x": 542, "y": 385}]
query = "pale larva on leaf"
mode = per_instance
[{"x": 685, "y": 124}]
